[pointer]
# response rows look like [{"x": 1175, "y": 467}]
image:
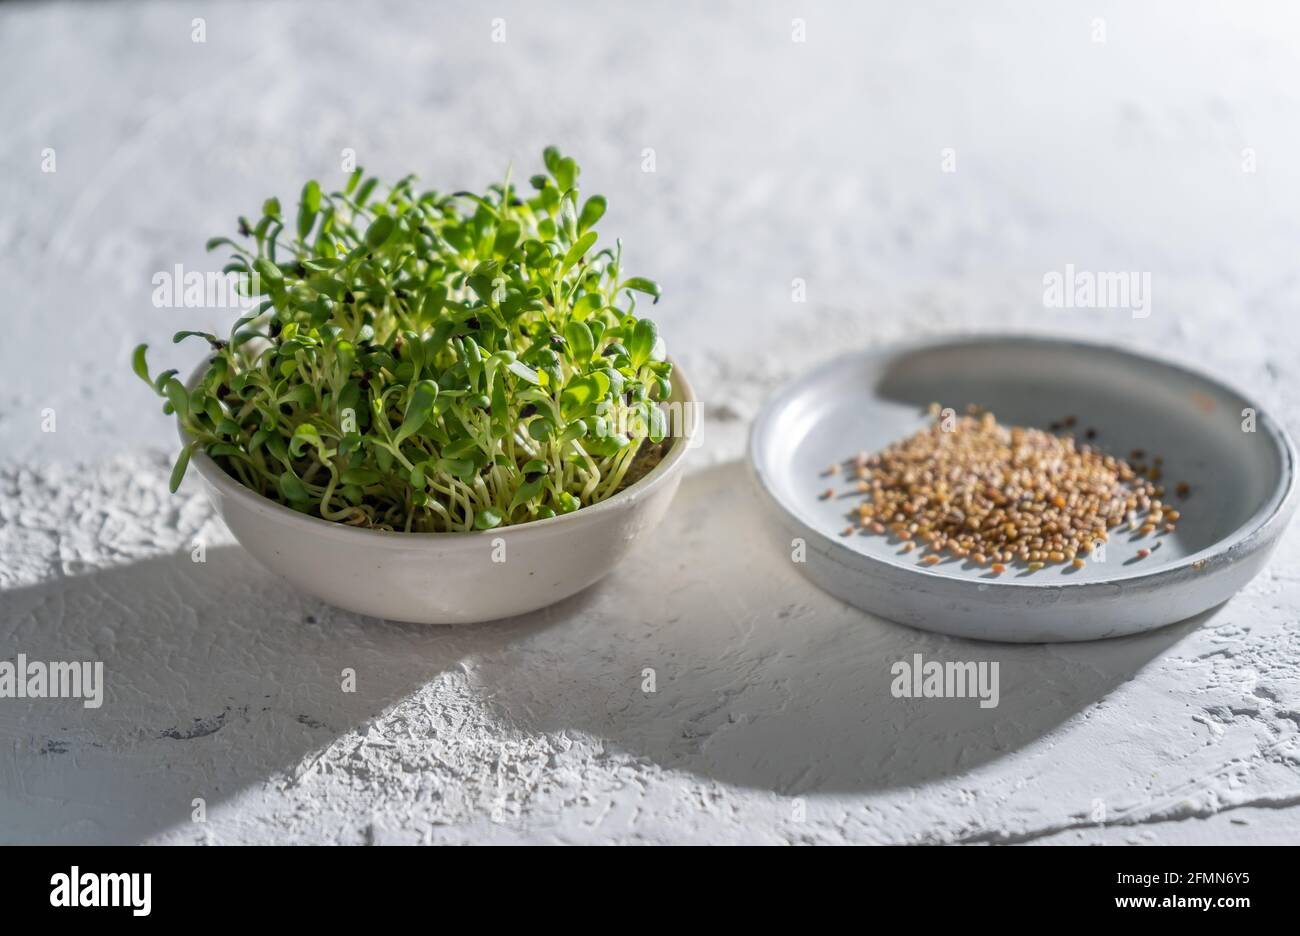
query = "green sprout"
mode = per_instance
[{"x": 429, "y": 362}]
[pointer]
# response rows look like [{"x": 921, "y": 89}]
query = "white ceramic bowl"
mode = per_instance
[{"x": 449, "y": 578}]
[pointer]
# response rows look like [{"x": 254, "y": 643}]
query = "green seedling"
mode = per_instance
[{"x": 430, "y": 362}]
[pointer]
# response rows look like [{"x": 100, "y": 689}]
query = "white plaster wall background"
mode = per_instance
[{"x": 775, "y": 160}]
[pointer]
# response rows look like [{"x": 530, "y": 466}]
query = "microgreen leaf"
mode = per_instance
[
  {"x": 566, "y": 173},
  {"x": 592, "y": 211},
  {"x": 525, "y": 493},
  {"x": 576, "y": 252},
  {"x": 642, "y": 343},
  {"x": 292, "y": 487},
  {"x": 418, "y": 408},
  {"x": 182, "y": 335},
  {"x": 524, "y": 372},
  {"x": 176, "y": 394},
  {"x": 308, "y": 208},
  {"x": 268, "y": 271},
  {"x": 139, "y": 365},
  {"x": 487, "y": 519},
  {"x": 643, "y": 285},
  {"x": 587, "y": 306},
  {"x": 305, "y": 435},
  {"x": 582, "y": 394},
  {"x": 178, "y": 469},
  {"x": 581, "y": 344},
  {"x": 361, "y": 476},
  {"x": 379, "y": 231}
]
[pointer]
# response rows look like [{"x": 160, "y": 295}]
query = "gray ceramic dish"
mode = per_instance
[{"x": 1241, "y": 499}]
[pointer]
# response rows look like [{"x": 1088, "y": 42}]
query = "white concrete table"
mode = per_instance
[{"x": 1167, "y": 148}]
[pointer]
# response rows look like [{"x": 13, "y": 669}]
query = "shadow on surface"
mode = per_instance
[
  {"x": 218, "y": 677},
  {"x": 762, "y": 681}
]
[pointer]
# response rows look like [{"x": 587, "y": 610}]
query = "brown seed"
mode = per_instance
[
  {"x": 998, "y": 568},
  {"x": 846, "y": 531},
  {"x": 828, "y": 493},
  {"x": 1183, "y": 489},
  {"x": 930, "y": 560},
  {"x": 1078, "y": 563},
  {"x": 1004, "y": 493},
  {"x": 1143, "y": 553}
]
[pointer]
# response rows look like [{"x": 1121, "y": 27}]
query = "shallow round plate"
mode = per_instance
[{"x": 1242, "y": 483}]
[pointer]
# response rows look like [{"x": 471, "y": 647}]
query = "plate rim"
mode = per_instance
[{"x": 1257, "y": 532}]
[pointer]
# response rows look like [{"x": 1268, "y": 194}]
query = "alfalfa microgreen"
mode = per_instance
[{"x": 421, "y": 361}]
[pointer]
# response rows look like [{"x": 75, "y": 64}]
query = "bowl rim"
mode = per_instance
[
  {"x": 1256, "y": 532},
  {"x": 213, "y": 475}
]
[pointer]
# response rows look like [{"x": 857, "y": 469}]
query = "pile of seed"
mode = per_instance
[{"x": 999, "y": 495}]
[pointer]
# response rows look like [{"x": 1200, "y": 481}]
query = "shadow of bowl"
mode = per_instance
[{"x": 726, "y": 663}]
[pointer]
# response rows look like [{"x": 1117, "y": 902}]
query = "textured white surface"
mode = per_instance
[{"x": 775, "y": 160}]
